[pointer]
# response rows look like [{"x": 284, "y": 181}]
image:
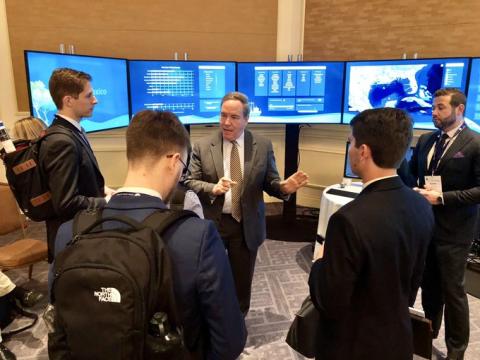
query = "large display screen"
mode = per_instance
[
  {"x": 192, "y": 90},
  {"x": 472, "y": 112},
  {"x": 304, "y": 92},
  {"x": 347, "y": 170},
  {"x": 402, "y": 84},
  {"x": 109, "y": 82}
]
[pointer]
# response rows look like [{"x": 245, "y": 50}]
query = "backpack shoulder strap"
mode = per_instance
[
  {"x": 160, "y": 220},
  {"x": 178, "y": 199},
  {"x": 84, "y": 219}
]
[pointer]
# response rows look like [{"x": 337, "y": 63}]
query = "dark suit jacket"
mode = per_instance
[
  {"x": 74, "y": 178},
  {"x": 203, "y": 282},
  {"x": 375, "y": 251},
  {"x": 460, "y": 171},
  {"x": 260, "y": 174}
]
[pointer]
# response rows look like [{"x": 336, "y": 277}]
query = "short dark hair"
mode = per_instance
[
  {"x": 153, "y": 134},
  {"x": 65, "y": 81},
  {"x": 387, "y": 132},
  {"x": 236, "y": 95},
  {"x": 458, "y": 97}
]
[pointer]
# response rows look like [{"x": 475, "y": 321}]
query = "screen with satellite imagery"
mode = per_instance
[
  {"x": 109, "y": 82},
  {"x": 472, "y": 112},
  {"x": 302, "y": 92},
  {"x": 402, "y": 84}
]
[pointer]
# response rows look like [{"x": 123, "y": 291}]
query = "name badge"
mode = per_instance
[{"x": 434, "y": 182}]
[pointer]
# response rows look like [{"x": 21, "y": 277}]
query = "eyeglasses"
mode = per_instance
[{"x": 185, "y": 166}]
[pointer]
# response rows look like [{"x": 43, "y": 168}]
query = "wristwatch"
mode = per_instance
[{"x": 440, "y": 199}]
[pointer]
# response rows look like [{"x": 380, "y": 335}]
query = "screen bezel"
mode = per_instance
[
  {"x": 180, "y": 62},
  {"x": 30, "y": 102},
  {"x": 299, "y": 63},
  {"x": 467, "y": 60}
]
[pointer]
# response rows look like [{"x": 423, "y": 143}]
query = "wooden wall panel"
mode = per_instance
[
  {"x": 385, "y": 29},
  {"x": 142, "y": 29}
]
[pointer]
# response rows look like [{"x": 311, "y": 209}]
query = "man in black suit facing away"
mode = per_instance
[
  {"x": 375, "y": 250},
  {"x": 446, "y": 164},
  {"x": 74, "y": 178}
]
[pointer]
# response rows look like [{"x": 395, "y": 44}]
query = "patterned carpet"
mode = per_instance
[{"x": 280, "y": 285}]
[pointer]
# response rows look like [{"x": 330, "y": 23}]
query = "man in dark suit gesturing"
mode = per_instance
[
  {"x": 74, "y": 178},
  {"x": 229, "y": 172},
  {"x": 375, "y": 250},
  {"x": 446, "y": 164}
]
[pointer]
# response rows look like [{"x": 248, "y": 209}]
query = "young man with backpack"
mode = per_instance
[
  {"x": 66, "y": 158},
  {"x": 90, "y": 303}
]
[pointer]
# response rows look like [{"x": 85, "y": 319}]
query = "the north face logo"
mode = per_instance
[{"x": 108, "y": 295}]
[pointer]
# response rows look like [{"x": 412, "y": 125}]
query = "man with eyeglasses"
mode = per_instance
[
  {"x": 229, "y": 171},
  {"x": 157, "y": 151}
]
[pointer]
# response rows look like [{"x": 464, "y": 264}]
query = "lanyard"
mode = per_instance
[{"x": 445, "y": 145}]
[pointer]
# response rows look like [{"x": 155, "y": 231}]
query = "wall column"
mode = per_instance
[
  {"x": 8, "y": 98},
  {"x": 290, "y": 28}
]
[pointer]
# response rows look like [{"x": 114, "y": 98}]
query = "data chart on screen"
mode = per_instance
[{"x": 192, "y": 90}]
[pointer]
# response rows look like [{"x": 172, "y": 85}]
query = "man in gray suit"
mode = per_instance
[{"x": 229, "y": 172}]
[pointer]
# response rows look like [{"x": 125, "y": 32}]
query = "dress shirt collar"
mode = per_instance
[
  {"x": 377, "y": 179},
  {"x": 139, "y": 190},
  {"x": 455, "y": 131},
  {"x": 71, "y": 121},
  {"x": 240, "y": 140}
]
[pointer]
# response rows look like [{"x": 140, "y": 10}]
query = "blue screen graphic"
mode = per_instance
[
  {"x": 192, "y": 90},
  {"x": 472, "y": 112},
  {"x": 306, "y": 92},
  {"x": 347, "y": 170},
  {"x": 109, "y": 82},
  {"x": 403, "y": 84}
]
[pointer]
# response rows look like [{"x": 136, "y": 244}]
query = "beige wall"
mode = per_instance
[
  {"x": 385, "y": 29},
  {"x": 142, "y": 29}
]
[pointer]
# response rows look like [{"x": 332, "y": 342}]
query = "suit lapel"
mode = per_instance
[
  {"x": 216, "y": 149},
  {"x": 250, "y": 152},
  {"x": 462, "y": 139},
  {"x": 59, "y": 121}
]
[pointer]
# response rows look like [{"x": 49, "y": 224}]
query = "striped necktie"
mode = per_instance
[{"x": 236, "y": 175}]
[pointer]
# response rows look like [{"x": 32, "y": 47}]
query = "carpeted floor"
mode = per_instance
[{"x": 280, "y": 285}]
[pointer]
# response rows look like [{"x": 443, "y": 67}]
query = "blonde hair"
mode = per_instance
[{"x": 28, "y": 128}]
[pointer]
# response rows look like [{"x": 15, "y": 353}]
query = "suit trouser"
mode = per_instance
[
  {"x": 443, "y": 284},
  {"x": 242, "y": 259}
]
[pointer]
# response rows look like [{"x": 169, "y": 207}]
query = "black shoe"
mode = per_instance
[
  {"x": 6, "y": 354},
  {"x": 30, "y": 298}
]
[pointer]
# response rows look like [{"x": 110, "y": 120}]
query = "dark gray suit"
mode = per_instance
[
  {"x": 260, "y": 174},
  {"x": 455, "y": 226}
]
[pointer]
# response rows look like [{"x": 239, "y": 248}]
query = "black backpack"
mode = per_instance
[
  {"x": 113, "y": 292},
  {"x": 27, "y": 180}
]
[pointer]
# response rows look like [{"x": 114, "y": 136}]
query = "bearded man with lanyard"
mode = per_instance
[{"x": 446, "y": 167}]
